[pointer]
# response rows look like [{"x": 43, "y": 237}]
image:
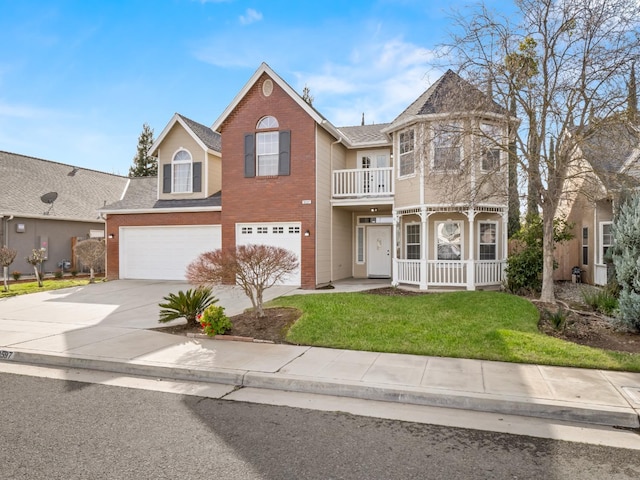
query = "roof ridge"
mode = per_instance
[{"x": 63, "y": 164}]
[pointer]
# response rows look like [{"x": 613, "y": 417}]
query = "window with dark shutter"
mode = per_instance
[
  {"x": 197, "y": 176},
  {"x": 284, "y": 159},
  {"x": 166, "y": 178},
  {"x": 249, "y": 156}
]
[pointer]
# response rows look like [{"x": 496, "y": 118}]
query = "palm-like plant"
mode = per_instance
[{"x": 186, "y": 305}]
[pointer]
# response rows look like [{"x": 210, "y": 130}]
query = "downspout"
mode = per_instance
[{"x": 340, "y": 139}]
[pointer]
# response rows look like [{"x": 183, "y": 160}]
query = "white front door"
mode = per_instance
[{"x": 379, "y": 252}]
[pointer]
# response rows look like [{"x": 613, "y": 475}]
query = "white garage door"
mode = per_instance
[
  {"x": 163, "y": 253},
  {"x": 277, "y": 234}
]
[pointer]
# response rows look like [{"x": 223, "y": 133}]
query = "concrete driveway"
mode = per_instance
[{"x": 130, "y": 304}]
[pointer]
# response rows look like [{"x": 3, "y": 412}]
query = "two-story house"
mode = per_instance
[{"x": 421, "y": 200}]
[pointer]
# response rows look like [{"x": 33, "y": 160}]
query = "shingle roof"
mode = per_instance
[
  {"x": 366, "y": 134},
  {"x": 80, "y": 191},
  {"x": 607, "y": 148},
  {"x": 211, "y": 139},
  {"x": 450, "y": 94},
  {"x": 142, "y": 194}
]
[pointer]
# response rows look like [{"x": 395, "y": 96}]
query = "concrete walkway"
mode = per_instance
[{"x": 105, "y": 327}]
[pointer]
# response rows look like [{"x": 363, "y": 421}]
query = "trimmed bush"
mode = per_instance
[
  {"x": 214, "y": 321},
  {"x": 186, "y": 305}
]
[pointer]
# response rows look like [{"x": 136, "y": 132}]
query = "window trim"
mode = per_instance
[
  {"x": 437, "y": 243},
  {"x": 412, "y": 152},
  {"x": 434, "y": 128},
  {"x": 585, "y": 245},
  {"x": 360, "y": 244},
  {"x": 494, "y": 145},
  {"x": 275, "y": 148},
  {"x": 495, "y": 242},
  {"x": 406, "y": 240},
  {"x": 601, "y": 251},
  {"x": 174, "y": 163}
]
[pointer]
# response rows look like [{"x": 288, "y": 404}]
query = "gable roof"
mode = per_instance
[
  {"x": 204, "y": 136},
  {"x": 264, "y": 68},
  {"x": 141, "y": 196},
  {"x": 449, "y": 94},
  {"x": 80, "y": 192},
  {"x": 366, "y": 135},
  {"x": 611, "y": 149}
]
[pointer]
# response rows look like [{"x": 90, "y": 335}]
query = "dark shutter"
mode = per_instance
[
  {"x": 249, "y": 156},
  {"x": 197, "y": 176},
  {"x": 284, "y": 161},
  {"x": 166, "y": 178}
]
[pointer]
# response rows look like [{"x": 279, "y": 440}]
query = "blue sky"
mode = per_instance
[{"x": 79, "y": 78}]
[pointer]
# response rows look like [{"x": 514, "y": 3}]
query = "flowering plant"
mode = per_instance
[{"x": 214, "y": 321}]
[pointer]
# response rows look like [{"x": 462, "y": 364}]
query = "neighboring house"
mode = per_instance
[
  {"x": 51, "y": 205},
  {"x": 421, "y": 200},
  {"x": 607, "y": 167}
]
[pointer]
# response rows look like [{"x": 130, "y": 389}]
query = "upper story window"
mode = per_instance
[
  {"x": 491, "y": 144},
  {"x": 181, "y": 172},
  {"x": 266, "y": 153},
  {"x": 447, "y": 147},
  {"x": 407, "y": 160}
]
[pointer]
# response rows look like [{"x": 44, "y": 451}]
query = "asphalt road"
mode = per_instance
[{"x": 56, "y": 429}]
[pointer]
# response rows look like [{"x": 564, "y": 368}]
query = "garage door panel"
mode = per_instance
[
  {"x": 163, "y": 253},
  {"x": 277, "y": 234}
]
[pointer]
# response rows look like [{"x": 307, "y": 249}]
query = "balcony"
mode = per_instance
[{"x": 362, "y": 183}]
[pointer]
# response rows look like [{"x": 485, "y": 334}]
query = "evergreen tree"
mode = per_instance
[
  {"x": 306, "y": 95},
  {"x": 626, "y": 260},
  {"x": 143, "y": 164}
]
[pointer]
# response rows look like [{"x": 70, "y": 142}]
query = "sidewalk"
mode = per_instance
[{"x": 104, "y": 327}]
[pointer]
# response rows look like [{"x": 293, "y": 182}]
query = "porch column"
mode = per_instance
[
  {"x": 424, "y": 235},
  {"x": 394, "y": 248},
  {"x": 505, "y": 243},
  {"x": 471, "y": 264}
]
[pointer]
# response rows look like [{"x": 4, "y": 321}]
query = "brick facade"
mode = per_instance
[
  {"x": 278, "y": 198},
  {"x": 114, "y": 222}
]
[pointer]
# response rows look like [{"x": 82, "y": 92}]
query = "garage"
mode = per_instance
[
  {"x": 163, "y": 253},
  {"x": 277, "y": 234}
]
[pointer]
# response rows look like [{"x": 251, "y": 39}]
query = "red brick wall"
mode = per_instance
[
  {"x": 270, "y": 199},
  {"x": 114, "y": 222}
]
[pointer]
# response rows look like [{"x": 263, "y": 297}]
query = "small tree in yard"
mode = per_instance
[
  {"x": 91, "y": 253},
  {"x": 187, "y": 305},
  {"x": 626, "y": 259},
  {"x": 144, "y": 165},
  {"x": 36, "y": 258},
  {"x": 7, "y": 256},
  {"x": 255, "y": 268}
]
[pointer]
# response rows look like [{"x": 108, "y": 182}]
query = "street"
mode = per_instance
[{"x": 58, "y": 429}]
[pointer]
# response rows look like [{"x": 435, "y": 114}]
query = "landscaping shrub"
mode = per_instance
[
  {"x": 58, "y": 274},
  {"x": 186, "y": 305},
  {"x": 557, "y": 319},
  {"x": 214, "y": 321},
  {"x": 16, "y": 275},
  {"x": 603, "y": 301}
]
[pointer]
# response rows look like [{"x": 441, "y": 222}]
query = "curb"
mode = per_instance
[{"x": 555, "y": 410}]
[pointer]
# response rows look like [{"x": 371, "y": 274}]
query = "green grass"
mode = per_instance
[
  {"x": 32, "y": 287},
  {"x": 480, "y": 325}
]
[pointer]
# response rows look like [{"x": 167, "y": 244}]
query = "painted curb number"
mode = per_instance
[{"x": 5, "y": 355}]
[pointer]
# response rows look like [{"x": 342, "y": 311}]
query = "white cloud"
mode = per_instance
[
  {"x": 27, "y": 111},
  {"x": 250, "y": 16}
]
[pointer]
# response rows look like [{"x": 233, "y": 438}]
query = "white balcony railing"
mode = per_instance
[
  {"x": 440, "y": 273},
  {"x": 362, "y": 182}
]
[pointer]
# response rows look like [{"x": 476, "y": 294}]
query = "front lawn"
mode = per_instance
[
  {"x": 32, "y": 287},
  {"x": 481, "y": 325}
]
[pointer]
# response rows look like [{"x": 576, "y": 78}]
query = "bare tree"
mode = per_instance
[
  {"x": 254, "y": 267},
  {"x": 565, "y": 63},
  {"x": 91, "y": 253},
  {"x": 36, "y": 258},
  {"x": 7, "y": 256}
]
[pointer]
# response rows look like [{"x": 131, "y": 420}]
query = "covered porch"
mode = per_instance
[{"x": 462, "y": 247}]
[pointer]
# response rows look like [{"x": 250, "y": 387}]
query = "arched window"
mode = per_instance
[
  {"x": 182, "y": 174},
  {"x": 267, "y": 122},
  {"x": 267, "y": 147}
]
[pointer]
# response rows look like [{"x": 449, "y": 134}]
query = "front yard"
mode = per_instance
[{"x": 481, "y": 325}]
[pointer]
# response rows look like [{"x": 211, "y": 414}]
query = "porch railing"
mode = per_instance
[
  {"x": 362, "y": 182},
  {"x": 440, "y": 273}
]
